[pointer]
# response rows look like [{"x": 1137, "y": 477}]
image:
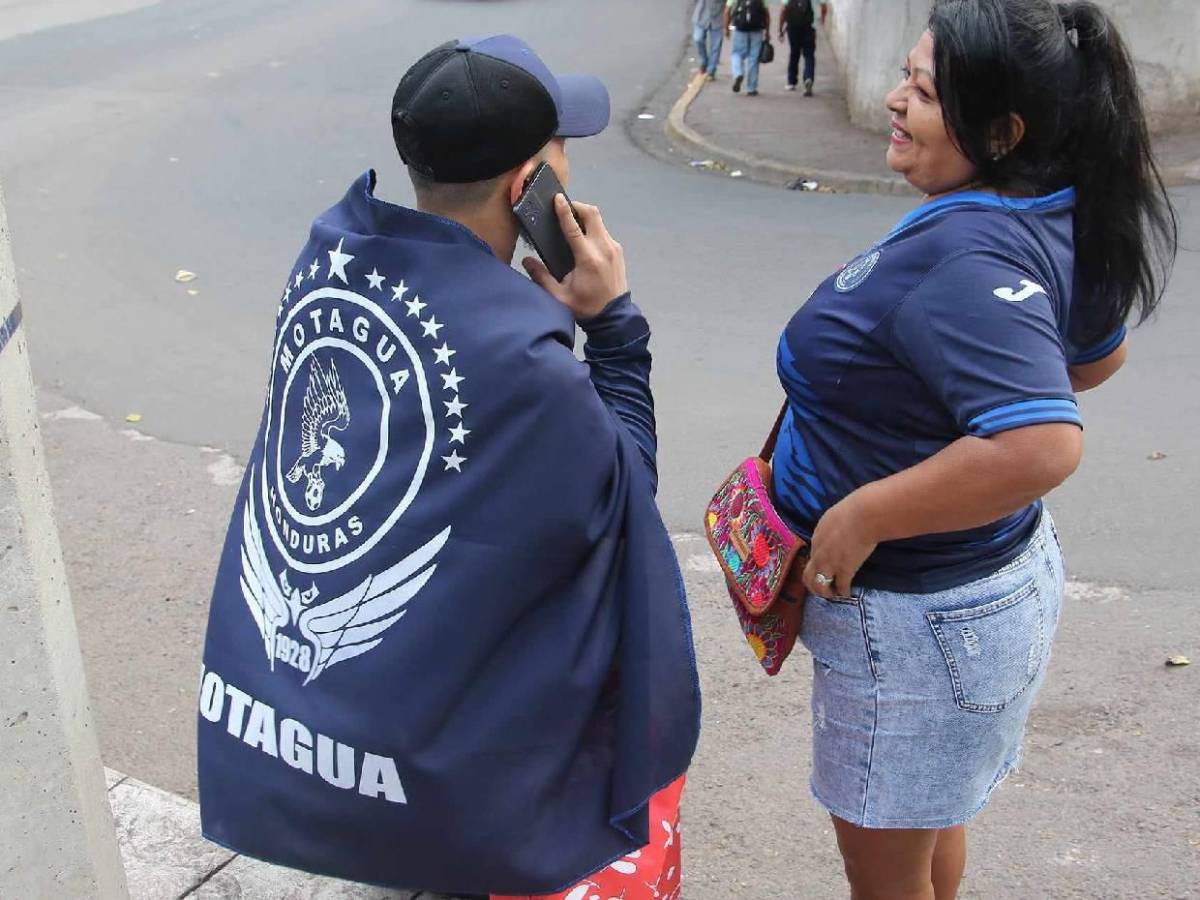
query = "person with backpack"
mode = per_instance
[
  {"x": 797, "y": 22},
  {"x": 751, "y": 21}
]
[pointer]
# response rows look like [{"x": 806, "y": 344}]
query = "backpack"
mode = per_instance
[
  {"x": 799, "y": 14},
  {"x": 750, "y": 15}
]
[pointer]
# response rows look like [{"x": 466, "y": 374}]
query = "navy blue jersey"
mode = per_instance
[{"x": 959, "y": 322}]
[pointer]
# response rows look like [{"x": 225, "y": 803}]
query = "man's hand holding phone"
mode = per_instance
[{"x": 599, "y": 274}]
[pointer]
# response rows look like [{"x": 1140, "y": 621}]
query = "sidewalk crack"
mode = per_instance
[{"x": 203, "y": 881}]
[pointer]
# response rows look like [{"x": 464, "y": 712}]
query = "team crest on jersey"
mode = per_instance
[
  {"x": 856, "y": 272},
  {"x": 361, "y": 406}
]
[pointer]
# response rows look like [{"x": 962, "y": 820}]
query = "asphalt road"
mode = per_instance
[{"x": 206, "y": 136}]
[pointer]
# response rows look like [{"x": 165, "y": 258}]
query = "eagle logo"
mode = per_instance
[
  {"x": 337, "y": 629},
  {"x": 325, "y": 411}
]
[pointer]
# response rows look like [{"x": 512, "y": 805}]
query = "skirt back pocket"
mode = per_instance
[{"x": 995, "y": 651}]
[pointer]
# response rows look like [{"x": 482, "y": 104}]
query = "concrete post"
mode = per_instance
[
  {"x": 56, "y": 828},
  {"x": 1162, "y": 36},
  {"x": 871, "y": 38}
]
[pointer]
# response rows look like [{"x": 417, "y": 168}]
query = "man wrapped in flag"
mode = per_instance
[{"x": 449, "y": 647}]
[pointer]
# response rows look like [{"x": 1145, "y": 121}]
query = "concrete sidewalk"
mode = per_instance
[
  {"x": 782, "y": 137},
  {"x": 1103, "y": 807},
  {"x": 166, "y": 858}
]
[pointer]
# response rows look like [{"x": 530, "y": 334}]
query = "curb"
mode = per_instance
[
  {"x": 830, "y": 180},
  {"x": 843, "y": 182},
  {"x": 165, "y": 856}
]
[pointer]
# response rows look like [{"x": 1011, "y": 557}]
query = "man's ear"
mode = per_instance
[{"x": 520, "y": 175}]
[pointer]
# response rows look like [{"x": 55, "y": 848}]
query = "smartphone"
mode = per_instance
[{"x": 539, "y": 221}]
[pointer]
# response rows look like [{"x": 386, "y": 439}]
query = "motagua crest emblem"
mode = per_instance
[
  {"x": 351, "y": 427},
  {"x": 858, "y": 271},
  {"x": 323, "y": 453}
]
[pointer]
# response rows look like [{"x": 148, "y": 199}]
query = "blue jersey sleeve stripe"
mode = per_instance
[
  {"x": 1022, "y": 406},
  {"x": 1100, "y": 351},
  {"x": 1020, "y": 420}
]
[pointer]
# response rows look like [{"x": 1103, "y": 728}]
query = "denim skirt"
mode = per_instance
[{"x": 919, "y": 701}]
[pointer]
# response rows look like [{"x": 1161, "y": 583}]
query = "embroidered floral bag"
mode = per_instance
[{"x": 762, "y": 559}]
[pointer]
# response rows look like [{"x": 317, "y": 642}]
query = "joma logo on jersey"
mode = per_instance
[{"x": 1010, "y": 295}]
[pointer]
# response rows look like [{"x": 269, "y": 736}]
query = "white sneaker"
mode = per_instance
[{"x": 791, "y": 87}]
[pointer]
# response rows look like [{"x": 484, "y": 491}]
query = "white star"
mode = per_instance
[
  {"x": 455, "y": 407},
  {"x": 453, "y": 461},
  {"x": 450, "y": 382},
  {"x": 337, "y": 262},
  {"x": 376, "y": 280},
  {"x": 299, "y": 278},
  {"x": 443, "y": 354},
  {"x": 432, "y": 327},
  {"x": 400, "y": 290},
  {"x": 314, "y": 268},
  {"x": 414, "y": 305},
  {"x": 458, "y": 435},
  {"x": 287, "y": 294}
]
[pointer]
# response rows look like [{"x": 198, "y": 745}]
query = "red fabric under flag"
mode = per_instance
[{"x": 652, "y": 873}]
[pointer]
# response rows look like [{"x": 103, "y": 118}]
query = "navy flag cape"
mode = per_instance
[{"x": 448, "y": 647}]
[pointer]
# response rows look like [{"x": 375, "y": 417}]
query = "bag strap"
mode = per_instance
[{"x": 768, "y": 449}]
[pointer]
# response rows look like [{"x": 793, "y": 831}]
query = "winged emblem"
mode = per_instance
[
  {"x": 343, "y": 627},
  {"x": 325, "y": 411},
  {"x": 267, "y": 604}
]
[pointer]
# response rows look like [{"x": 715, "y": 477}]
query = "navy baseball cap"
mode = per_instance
[{"x": 473, "y": 109}]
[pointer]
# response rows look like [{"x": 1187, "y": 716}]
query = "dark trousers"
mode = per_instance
[{"x": 802, "y": 39}]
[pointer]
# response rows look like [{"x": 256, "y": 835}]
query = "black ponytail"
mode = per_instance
[
  {"x": 1064, "y": 69},
  {"x": 1126, "y": 233}
]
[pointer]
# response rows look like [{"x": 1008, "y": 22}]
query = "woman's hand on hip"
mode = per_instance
[{"x": 841, "y": 543}]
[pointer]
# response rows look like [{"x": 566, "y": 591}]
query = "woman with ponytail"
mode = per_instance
[{"x": 931, "y": 387}]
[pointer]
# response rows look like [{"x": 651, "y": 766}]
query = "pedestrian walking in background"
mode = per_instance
[
  {"x": 931, "y": 389},
  {"x": 797, "y": 22},
  {"x": 708, "y": 31},
  {"x": 751, "y": 22}
]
